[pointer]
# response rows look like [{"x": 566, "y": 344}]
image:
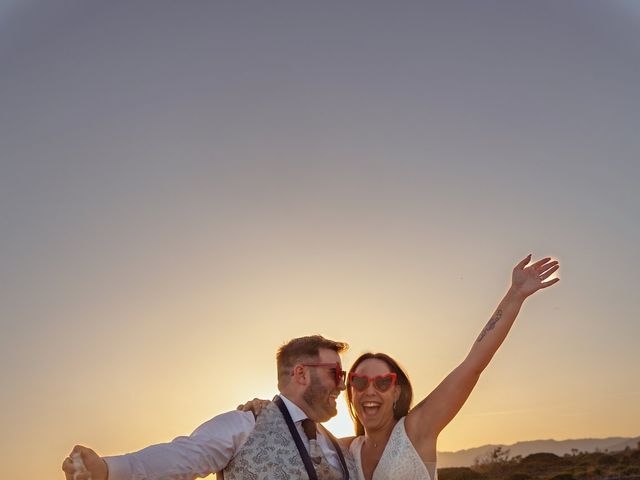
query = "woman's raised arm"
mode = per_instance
[{"x": 427, "y": 419}]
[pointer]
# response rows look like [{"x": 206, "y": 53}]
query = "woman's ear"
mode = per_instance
[{"x": 397, "y": 393}]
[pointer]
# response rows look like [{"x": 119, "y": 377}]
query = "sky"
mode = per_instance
[{"x": 184, "y": 186}]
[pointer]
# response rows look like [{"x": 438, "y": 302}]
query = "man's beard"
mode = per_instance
[{"x": 317, "y": 397}]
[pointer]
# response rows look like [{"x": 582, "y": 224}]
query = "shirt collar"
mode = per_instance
[{"x": 297, "y": 415}]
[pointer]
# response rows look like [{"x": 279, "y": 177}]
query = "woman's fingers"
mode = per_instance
[
  {"x": 548, "y": 273},
  {"x": 540, "y": 263},
  {"x": 523, "y": 262},
  {"x": 549, "y": 283}
]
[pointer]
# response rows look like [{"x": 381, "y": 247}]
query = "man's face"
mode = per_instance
[{"x": 322, "y": 392}]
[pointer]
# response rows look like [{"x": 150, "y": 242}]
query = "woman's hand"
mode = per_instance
[
  {"x": 256, "y": 405},
  {"x": 528, "y": 280}
]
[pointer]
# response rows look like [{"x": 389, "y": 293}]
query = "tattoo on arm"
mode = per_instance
[{"x": 490, "y": 325}]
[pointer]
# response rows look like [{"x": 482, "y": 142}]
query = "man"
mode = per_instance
[{"x": 239, "y": 446}]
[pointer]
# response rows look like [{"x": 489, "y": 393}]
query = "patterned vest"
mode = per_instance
[{"x": 274, "y": 451}]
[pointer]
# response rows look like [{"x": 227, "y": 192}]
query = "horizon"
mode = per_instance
[
  {"x": 521, "y": 450},
  {"x": 186, "y": 186},
  {"x": 637, "y": 437}
]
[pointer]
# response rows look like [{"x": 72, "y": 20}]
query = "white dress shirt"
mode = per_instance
[{"x": 207, "y": 450}]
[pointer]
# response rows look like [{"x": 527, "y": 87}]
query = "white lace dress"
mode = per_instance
[{"x": 399, "y": 461}]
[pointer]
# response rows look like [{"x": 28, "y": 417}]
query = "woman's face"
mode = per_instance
[{"x": 374, "y": 407}]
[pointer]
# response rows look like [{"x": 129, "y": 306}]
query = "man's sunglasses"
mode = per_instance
[
  {"x": 334, "y": 368},
  {"x": 382, "y": 383}
]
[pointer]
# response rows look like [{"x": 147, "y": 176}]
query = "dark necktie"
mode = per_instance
[{"x": 323, "y": 468}]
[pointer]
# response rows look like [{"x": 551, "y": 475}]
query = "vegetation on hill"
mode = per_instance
[{"x": 622, "y": 465}]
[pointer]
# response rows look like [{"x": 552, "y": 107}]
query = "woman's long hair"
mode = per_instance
[{"x": 406, "y": 392}]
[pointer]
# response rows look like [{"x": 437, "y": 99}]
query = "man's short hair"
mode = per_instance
[{"x": 300, "y": 350}]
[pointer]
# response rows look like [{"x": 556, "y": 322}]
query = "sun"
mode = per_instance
[{"x": 341, "y": 425}]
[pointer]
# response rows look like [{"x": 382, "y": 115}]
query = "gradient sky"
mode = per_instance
[{"x": 186, "y": 185}]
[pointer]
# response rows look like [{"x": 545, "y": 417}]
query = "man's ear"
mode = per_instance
[{"x": 300, "y": 374}]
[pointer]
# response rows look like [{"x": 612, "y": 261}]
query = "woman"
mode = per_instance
[{"x": 395, "y": 442}]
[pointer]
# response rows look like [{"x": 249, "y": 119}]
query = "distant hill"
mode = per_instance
[{"x": 465, "y": 458}]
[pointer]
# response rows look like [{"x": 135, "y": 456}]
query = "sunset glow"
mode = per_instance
[{"x": 184, "y": 186}]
